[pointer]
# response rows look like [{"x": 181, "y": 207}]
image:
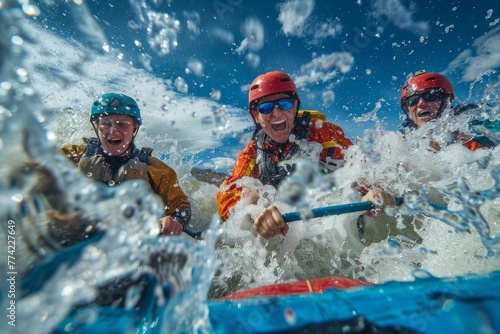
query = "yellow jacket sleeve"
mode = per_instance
[
  {"x": 74, "y": 152},
  {"x": 163, "y": 180}
]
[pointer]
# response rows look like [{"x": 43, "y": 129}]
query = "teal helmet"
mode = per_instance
[{"x": 115, "y": 104}]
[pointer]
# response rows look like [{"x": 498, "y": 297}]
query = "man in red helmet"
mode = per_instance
[
  {"x": 273, "y": 103},
  {"x": 426, "y": 95}
]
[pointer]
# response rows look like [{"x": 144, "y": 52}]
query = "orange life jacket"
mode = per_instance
[{"x": 257, "y": 155}]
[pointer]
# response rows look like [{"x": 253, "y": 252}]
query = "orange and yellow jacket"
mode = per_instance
[
  {"x": 161, "y": 179},
  {"x": 252, "y": 159}
]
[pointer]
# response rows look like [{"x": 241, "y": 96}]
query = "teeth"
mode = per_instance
[{"x": 278, "y": 122}]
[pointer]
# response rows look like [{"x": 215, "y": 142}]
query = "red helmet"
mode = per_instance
[
  {"x": 424, "y": 81},
  {"x": 271, "y": 83}
]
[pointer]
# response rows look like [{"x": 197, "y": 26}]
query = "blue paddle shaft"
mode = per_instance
[
  {"x": 330, "y": 211},
  {"x": 345, "y": 208}
]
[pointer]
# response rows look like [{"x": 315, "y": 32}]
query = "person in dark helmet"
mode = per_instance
[
  {"x": 273, "y": 103},
  {"x": 113, "y": 158},
  {"x": 427, "y": 95}
]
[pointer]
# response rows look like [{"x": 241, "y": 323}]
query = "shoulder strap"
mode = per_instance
[
  {"x": 145, "y": 154},
  {"x": 461, "y": 108},
  {"x": 92, "y": 146},
  {"x": 302, "y": 125}
]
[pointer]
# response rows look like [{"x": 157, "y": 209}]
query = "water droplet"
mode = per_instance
[
  {"x": 181, "y": 85},
  {"x": 18, "y": 198},
  {"x": 422, "y": 274},
  {"x": 195, "y": 66},
  {"x": 31, "y": 10},
  {"x": 215, "y": 94},
  {"x": 328, "y": 97},
  {"x": 290, "y": 316},
  {"x": 128, "y": 211},
  {"x": 253, "y": 60},
  {"x": 291, "y": 191}
]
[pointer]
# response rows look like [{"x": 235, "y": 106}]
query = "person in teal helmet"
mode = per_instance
[{"x": 113, "y": 158}]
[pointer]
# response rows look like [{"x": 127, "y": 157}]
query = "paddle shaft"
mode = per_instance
[
  {"x": 330, "y": 211},
  {"x": 344, "y": 208}
]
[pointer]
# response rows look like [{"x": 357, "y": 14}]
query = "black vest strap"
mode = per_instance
[
  {"x": 94, "y": 147},
  {"x": 145, "y": 154},
  {"x": 301, "y": 129}
]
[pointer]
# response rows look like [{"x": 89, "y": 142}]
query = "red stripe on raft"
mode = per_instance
[{"x": 314, "y": 285}]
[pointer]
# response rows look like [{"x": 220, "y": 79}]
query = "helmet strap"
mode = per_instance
[
  {"x": 96, "y": 132},
  {"x": 442, "y": 106},
  {"x": 258, "y": 128},
  {"x": 135, "y": 132}
]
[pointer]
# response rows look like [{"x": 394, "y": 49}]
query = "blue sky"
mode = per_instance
[{"x": 199, "y": 56}]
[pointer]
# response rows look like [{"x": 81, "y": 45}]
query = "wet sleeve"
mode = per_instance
[
  {"x": 73, "y": 152},
  {"x": 164, "y": 183},
  {"x": 229, "y": 194}
]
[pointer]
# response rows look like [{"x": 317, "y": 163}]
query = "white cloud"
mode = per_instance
[
  {"x": 253, "y": 29},
  {"x": 482, "y": 56},
  {"x": 296, "y": 19},
  {"x": 400, "y": 16},
  {"x": 220, "y": 163},
  {"x": 68, "y": 75},
  {"x": 293, "y": 15},
  {"x": 223, "y": 34},
  {"x": 324, "y": 68},
  {"x": 330, "y": 28}
]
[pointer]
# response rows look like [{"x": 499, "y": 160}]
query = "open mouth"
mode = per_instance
[
  {"x": 424, "y": 114},
  {"x": 279, "y": 125},
  {"x": 115, "y": 142}
]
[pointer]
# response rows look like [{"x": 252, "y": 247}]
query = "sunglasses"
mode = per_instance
[
  {"x": 429, "y": 96},
  {"x": 283, "y": 104}
]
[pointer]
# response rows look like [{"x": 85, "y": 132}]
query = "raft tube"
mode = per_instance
[{"x": 315, "y": 285}]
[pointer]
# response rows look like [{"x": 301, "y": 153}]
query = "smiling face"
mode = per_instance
[
  {"x": 278, "y": 124},
  {"x": 116, "y": 132}
]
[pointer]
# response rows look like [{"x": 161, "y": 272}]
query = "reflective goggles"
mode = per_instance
[
  {"x": 283, "y": 104},
  {"x": 428, "y": 96}
]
